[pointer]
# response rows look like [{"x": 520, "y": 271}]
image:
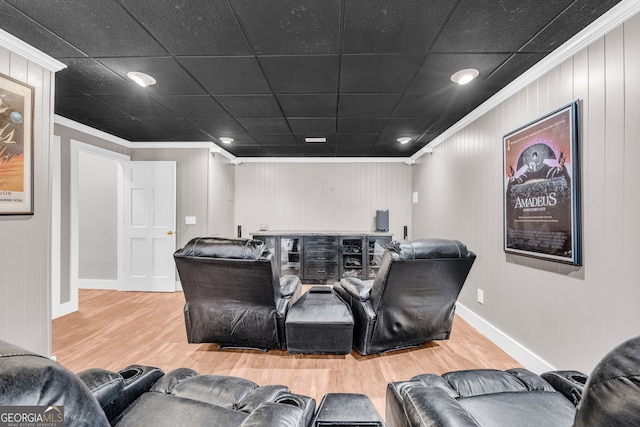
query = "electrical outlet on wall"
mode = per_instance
[{"x": 480, "y": 296}]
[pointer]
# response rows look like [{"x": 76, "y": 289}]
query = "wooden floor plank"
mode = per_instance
[{"x": 115, "y": 329}]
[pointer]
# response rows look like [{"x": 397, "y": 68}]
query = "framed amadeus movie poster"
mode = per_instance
[
  {"x": 541, "y": 188},
  {"x": 16, "y": 147}
]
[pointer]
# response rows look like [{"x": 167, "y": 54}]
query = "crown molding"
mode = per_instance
[
  {"x": 598, "y": 28},
  {"x": 29, "y": 52},
  {"x": 325, "y": 160},
  {"x": 72, "y": 124}
]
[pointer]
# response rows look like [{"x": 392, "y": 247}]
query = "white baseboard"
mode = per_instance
[
  {"x": 98, "y": 284},
  {"x": 510, "y": 346}
]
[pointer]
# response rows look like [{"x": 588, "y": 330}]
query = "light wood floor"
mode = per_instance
[{"x": 115, "y": 329}]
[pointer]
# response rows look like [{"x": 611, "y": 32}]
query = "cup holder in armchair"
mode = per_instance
[
  {"x": 291, "y": 400},
  {"x": 129, "y": 374},
  {"x": 579, "y": 378},
  {"x": 569, "y": 383}
]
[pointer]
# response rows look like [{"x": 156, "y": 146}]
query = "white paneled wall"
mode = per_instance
[
  {"x": 322, "y": 196},
  {"x": 567, "y": 316},
  {"x": 25, "y": 282}
]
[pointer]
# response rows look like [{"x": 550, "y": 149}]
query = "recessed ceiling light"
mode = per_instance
[
  {"x": 315, "y": 139},
  {"x": 463, "y": 77},
  {"x": 226, "y": 140},
  {"x": 142, "y": 79},
  {"x": 403, "y": 140}
]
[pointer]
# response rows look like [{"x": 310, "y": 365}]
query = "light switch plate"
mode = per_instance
[{"x": 190, "y": 220}]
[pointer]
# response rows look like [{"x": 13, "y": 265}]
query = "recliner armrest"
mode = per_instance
[
  {"x": 360, "y": 289},
  {"x": 270, "y": 414},
  {"x": 289, "y": 286},
  {"x": 117, "y": 390},
  {"x": 569, "y": 383},
  {"x": 106, "y": 386}
]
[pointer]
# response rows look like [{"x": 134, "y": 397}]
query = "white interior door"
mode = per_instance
[{"x": 149, "y": 226}]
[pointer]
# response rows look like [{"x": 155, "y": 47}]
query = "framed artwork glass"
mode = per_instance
[
  {"x": 16, "y": 147},
  {"x": 541, "y": 188}
]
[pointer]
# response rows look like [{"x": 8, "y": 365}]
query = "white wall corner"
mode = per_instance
[{"x": 513, "y": 348}]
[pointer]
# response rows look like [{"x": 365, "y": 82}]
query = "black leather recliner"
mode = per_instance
[
  {"x": 518, "y": 397},
  {"x": 234, "y": 295},
  {"x": 144, "y": 396},
  {"x": 412, "y": 299}
]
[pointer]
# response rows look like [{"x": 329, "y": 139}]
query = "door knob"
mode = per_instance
[{"x": 169, "y": 232}]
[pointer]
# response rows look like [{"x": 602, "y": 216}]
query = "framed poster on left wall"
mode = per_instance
[
  {"x": 16, "y": 147},
  {"x": 541, "y": 188}
]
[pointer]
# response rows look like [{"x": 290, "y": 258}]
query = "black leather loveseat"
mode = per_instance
[
  {"x": 610, "y": 396},
  {"x": 143, "y": 396},
  {"x": 234, "y": 295}
]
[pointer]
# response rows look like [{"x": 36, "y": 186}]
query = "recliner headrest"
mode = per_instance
[
  {"x": 429, "y": 248},
  {"x": 220, "y": 247},
  {"x": 29, "y": 379},
  {"x": 612, "y": 393}
]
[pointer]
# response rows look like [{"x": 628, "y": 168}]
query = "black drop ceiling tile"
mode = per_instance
[
  {"x": 309, "y": 105},
  {"x": 405, "y": 126},
  {"x": 387, "y": 146},
  {"x": 79, "y": 107},
  {"x": 63, "y": 89},
  {"x": 227, "y": 74},
  {"x": 291, "y": 26},
  {"x": 301, "y": 74},
  {"x": 318, "y": 150},
  {"x": 390, "y": 140},
  {"x": 88, "y": 76},
  {"x": 574, "y": 19},
  {"x": 187, "y": 137},
  {"x": 367, "y": 104},
  {"x": 171, "y": 78},
  {"x": 96, "y": 27},
  {"x": 263, "y": 126},
  {"x": 19, "y": 25},
  {"x": 420, "y": 104},
  {"x": 352, "y": 150},
  {"x": 426, "y": 138},
  {"x": 457, "y": 101},
  {"x": 312, "y": 126},
  {"x": 194, "y": 27},
  {"x": 510, "y": 70},
  {"x": 283, "y": 150},
  {"x": 140, "y": 106},
  {"x": 283, "y": 139},
  {"x": 247, "y": 150},
  {"x": 385, "y": 26},
  {"x": 378, "y": 73},
  {"x": 490, "y": 26},
  {"x": 193, "y": 106},
  {"x": 170, "y": 126},
  {"x": 435, "y": 73},
  {"x": 356, "y": 139},
  {"x": 386, "y": 152},
  {"x": 220, "y": 127},
  {"x": 130, "y": 129},
  {"x": 361, "y": 124},
  {"x": 260, "y": 106}
]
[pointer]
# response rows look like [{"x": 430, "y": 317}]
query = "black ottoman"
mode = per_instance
[
  {"x": 347, "y": 410},
  {"x": 319, "y": 322}
]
